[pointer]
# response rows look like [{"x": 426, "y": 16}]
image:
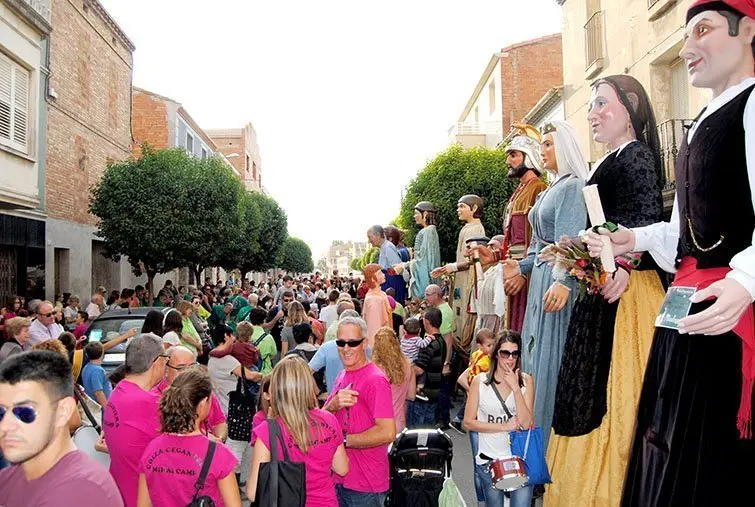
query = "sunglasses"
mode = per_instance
[
  {"x": 505, "y": 354},
  {"x": 47, "y": 314},
  {"x": 351, "y": 343},
  {"x": 181, "y": 367},
  {"x": 26, "y": 415}
]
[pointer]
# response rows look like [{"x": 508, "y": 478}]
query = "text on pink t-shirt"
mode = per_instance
[
  {"x": 214, "y": 417},
  {"x": 130, "y": 422},
  {"x": 171, "y": 465},
  {"x": 368, "y": 468},
  {"x": 326, "y": 437}
]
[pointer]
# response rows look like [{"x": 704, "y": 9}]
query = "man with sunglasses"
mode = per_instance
[
  {"x": 132, "y": 416},
  {"x": 361, "y": 401},
  {"x": 180, "y": 359},
  {"x": 44, "y": 327},
  {"x": 36, "y": 402}
]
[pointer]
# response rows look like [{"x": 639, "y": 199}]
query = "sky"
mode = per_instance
[{"x": 350, "y": 99}]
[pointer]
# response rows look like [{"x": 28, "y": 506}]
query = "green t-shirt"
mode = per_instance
[
  {"x": 267, "y": 349},
  {"x": 399, "y": 310},
  {"x": 447, "y": 325},
  {"x": 332, "y": 332}
]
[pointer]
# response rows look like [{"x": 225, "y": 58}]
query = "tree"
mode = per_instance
[
  {"x": 356, "y": 264},
  {"x": 295, "y": 256},
  {"x": 273, "y": 233},
  {"x": 212, "y": 198},
  {"x": 139, "y": 214},
  {"x": 244, "y": 246},
  {"x": 450, "y": 175}
]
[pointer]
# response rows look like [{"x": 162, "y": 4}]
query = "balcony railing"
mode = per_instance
[
  {"x": 41, "y": 6},
  {"x": 670, "y": 134},
  {"x": 594, "y": 39}
]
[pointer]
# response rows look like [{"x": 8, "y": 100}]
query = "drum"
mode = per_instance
[
  {"x": 85, "y": 437},
  {"x": 508, "y": 474}
]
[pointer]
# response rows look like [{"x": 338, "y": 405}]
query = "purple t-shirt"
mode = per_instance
[
  {"x": 171, "y": 465},
  {"x": 74, "y": 478},
  {"x": 131, "y": 421},
  {"x": 259, "y": 418},
  {"x": 368, "y": 468},
  {"x": 326, "y": 436}
]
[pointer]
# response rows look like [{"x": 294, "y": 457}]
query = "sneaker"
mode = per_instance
[{"x": 457, "y": 425}]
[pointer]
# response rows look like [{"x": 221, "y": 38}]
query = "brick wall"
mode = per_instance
[
  {"x": 89, "y": 123},
  {"x": 530, "y": 69},
  {"x": 149, "y": 122},
  {"x": 229, "y": 145}
]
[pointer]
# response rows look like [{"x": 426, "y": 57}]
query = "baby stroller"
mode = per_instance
[{"x": 420, "y": 461}]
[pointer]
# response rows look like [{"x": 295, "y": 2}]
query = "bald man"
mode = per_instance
[{"x": 180, "y": 359}]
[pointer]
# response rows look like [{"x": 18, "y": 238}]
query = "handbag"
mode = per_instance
[
  {"x": 280, "y": 482},
  {"x": 528, "y": 445},
  {"x": 240, "y": 410},
  {"x": 204, "y": 500}
]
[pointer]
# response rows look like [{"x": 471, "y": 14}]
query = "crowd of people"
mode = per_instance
[{"x": 222, "y": 379}]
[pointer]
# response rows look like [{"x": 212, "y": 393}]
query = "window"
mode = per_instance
[
  {"x": 491, "y": 96},
  {"x": 679, "y": 90},
  {"x": 189, "y": 143},
  {"x": 14, "y": 104},
  {"x": 204, "y": 153}
]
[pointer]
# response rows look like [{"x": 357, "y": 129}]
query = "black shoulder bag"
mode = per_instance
[
  {"x": 204, "y": 500},
  {"x": 280, "y": 483},
  {"x": 240, "y": 410}
]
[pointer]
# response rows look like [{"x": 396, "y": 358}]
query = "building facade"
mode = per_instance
[
  {"x": 241, "y": 149},
  {"x": 340, "y": 255},
  {"x": 514, "y": 81},
  {"x": 88, "y": 126},
  {"x": 640, "y": 38},
  {"x": 24, "y": 38}
]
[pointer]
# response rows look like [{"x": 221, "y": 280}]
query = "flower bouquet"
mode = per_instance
[{"x": 573, "y": 259}]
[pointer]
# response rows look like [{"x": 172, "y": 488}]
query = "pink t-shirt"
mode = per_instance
[
  {"x": 75, "y": 480},
  {"x": 258, "y": 419},
  {"x": 130, "y": 422},
  {"x": 171, "y": 465},
  {"x": 216, "y": 415},
  {"x": 326, "y": 437},
  {"x": 368, "y": 468},
  {"x": 398, "y": 393}
]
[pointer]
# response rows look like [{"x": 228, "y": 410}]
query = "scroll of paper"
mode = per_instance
[{"x": 597, "y": 218}]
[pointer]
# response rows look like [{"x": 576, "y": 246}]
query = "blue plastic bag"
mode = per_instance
[{"x": 528, "y": 445}]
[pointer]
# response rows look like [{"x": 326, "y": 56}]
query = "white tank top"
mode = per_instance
[{"x": 494, "y": 445}]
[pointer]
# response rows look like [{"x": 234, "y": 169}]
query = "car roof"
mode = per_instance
[{"x": 125, "y": 313}]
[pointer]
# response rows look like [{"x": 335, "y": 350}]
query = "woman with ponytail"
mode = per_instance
[
  {"x": 312, "y": 435},
  {"x": 171, "y": 463}
]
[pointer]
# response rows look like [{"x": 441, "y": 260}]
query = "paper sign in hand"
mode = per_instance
[{"x": 597, "y": 218}]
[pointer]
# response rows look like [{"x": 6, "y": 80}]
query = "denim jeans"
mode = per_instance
[
  {"x": 474, "y": 444},
  {"x": 351, "y": 498},
  {"x": 423, "y": 414},
  {"x": 494, "y": 498}
]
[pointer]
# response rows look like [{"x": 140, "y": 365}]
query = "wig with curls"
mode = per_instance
[
  {"x": 387, "y": 355},
  {"x": 370, "y": 270},
  {"x": 178, "y": 405}
]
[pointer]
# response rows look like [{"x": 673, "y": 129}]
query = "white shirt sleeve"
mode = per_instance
[
  {"x": 661, "y": 240},
  {"x": 743, "y": 264}
]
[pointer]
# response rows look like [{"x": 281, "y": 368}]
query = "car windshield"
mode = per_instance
[{"x": 106, "y": 329}]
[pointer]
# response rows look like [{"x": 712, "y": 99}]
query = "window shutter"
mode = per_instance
[
  {"x": 14, "y": 104},
  {"x": 21, "y": 107},
  {"x": 6, "y": 79}
]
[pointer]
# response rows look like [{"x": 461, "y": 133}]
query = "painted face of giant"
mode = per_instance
[
  {"x": 608, "y": 118},
  {"x": 711, "y": 53}
]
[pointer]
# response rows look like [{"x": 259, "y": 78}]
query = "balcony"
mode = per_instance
[
  {"x": 41, "y": 7},
  {"x": 594, "y": 45},
  {"x": 657, "y": 8},
  {"x": 670, "y": 134},
  {"x": 476, "y": 134}
]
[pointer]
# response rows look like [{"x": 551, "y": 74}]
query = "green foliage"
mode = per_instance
[
  {"x": 450, "y": 175},
  {"x": 169, "y": 210},
  {"x": 295, "y": 256},
  {"x": 371, "y": 256},
  {"x": 273, "y": 232},
  {"x": 322, "y": 265},
  {"x": 139, "y": 207},
  {"x": 355, "y": 264}
]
